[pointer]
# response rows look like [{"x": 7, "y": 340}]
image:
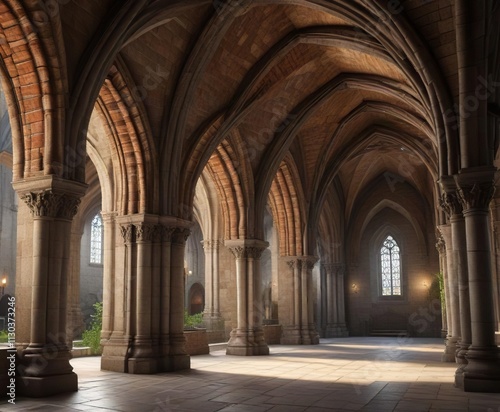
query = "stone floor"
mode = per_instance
[{"x": 345, "y": 374}]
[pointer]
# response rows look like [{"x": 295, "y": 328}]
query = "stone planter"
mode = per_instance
[{"x": 196, "y": 341}]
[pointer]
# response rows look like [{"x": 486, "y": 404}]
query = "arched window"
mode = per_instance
[
  {"x": 96, "y": 235},
  {"x": 390, "y": 267}
]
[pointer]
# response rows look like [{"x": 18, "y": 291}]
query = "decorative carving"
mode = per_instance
[
  {"x": 165, "y": 233},
  {"x": 255, "y": 252},
  {"x": 440, "y": 244},
  {"x": 49, "y": 204},
  {"x": 477, "y": 196},
  {"x": 180, "y": 235},
  {"x": 127, "y": 232},
  {"x": 239, "y": 252},
  {"x": 212, "y": 244},
  {"x": 293, "y": 264},
  {"x": 144, "y": 232},
  {"x": 450, "y": 203}
]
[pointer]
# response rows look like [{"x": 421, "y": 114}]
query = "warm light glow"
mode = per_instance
[{"x": 4, "y": 281}]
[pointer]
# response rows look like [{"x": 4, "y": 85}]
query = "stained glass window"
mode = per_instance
[
  {"x": 96, "y": 232},
  {"x": 390, "y": 267}
]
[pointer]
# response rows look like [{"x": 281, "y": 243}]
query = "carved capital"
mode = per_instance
[
  {"x": 477, "y": 196},
  {"x": 144, "y": 232},
  {"x": 292, "y": 264},
  {"x": 180, "y": 235},
  {"x": 239, "y": 252},
  {"x": 450, "y": 203},
  {"x": 212, "y": 244},
  {"x": 127, "y": 232},
  {"x": 49, "y": 204}
]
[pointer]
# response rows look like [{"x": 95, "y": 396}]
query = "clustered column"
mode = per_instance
[
  {"x": 453, "y": 307},
  {"x": 144, "y": 323},
  {"x": 211, "y": 315},
  {"x": 302, "y": 331},
  {"x": 453, "y": 207},
  {"x": 248, "y": 336}
]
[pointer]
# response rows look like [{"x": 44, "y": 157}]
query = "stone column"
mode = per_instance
[
  {"x": 453, "y": 207},
  {"x": 211, "y": 315},
  {"x": 331, "y": 298},
  {"x": 142, "y": 358},
  {"x": 108, "y": 220},
  {"x": 482, "y": 373},
  {"x": 291, "y": 333},
  {"x": 248, "y": 337},
  {"x": 310, "y": 337},
  {"x": 75, "y": 324},
  {"x": 341, "y": 324},
  {"x": 44, "y": 367},
  {"x": 441, "y": 248},
  {"x": 179, "y": 359},
  {"x": 453, "y": 305},
  {"x": 303, "y": 330}
]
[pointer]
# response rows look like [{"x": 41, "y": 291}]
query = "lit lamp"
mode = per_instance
[{"x": 4, "y": 283}]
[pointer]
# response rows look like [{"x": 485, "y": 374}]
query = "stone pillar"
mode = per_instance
[
  {"x": 311, "y": 335},
  {"x": 482, "y": 373},
  {"x": 44, "y": 367},
  {"x": 248, "y": 337},
  {"x": 331, "y": 298},
  {"x": 340, "y": 289},
  {"x": 453, "y": 208},
  {"x": 453, "y": 304},
  {"x": 143, "y": 358},
  {"x": 441, "y": 248},
  {"x": 74, "y": 324},
  {"x": 108, "y": 293},
  {"x": 145, "y": 316},
  {"x": 303, "y": 330},
  {"x": 211, "y": 315},
  {"x": 291, "y": 333},
  {"x": 496, "y": 256},
  {"x": 179, "y": 359}
]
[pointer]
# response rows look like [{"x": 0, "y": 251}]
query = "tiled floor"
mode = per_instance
[{"x": 348, "y": 374}]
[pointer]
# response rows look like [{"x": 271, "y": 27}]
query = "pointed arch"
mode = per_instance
[
  {"x": 33, "y": 79},
  {"x": 286, "y": 199},
  {"x": 130, "y": 139},
  {"x": 232, "y": 176}
]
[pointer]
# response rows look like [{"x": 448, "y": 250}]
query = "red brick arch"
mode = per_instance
[
  {"x": 131, "y": 144},
  {"x": 32, "y": 80},
  {"x": 287, "y": 204}
]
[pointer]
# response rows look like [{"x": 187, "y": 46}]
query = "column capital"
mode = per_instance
[
  {"x": 476, "y": 187},
  {"x": 246, "y": 248},
  {"x": 211, "y": 244},
  {"x": 51, "y": 196},
  {"x": 145, "y": 232},
  {"x": 127, "y": 232}
]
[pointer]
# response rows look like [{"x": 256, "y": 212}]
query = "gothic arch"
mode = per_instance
[{"x": 286, "y": 199}]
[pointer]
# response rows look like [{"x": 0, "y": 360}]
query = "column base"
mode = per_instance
[
  {"x": 291, "y": 336},
  {"x": 38, "y": 387},
  {"x": 450, "y": 350},
  {"x": 174, "y": 363},
  {"x": 145, "y": 366},
  {"x": 247, "y": 343},
  {"x": 482, "y": 373},
  {"x": 115, "y": 355},
  {"x": 336, "y": 331}
]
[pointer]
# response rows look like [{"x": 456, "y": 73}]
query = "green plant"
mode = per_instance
[
  {"x": 3, "y": 336},
  {"x": 440, "y": 281},
  {"x": 192, "y": 321},
  {"x": 92, "y": 336}
]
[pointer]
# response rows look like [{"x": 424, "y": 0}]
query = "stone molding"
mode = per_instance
[{"x": 246, "y": 248}]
